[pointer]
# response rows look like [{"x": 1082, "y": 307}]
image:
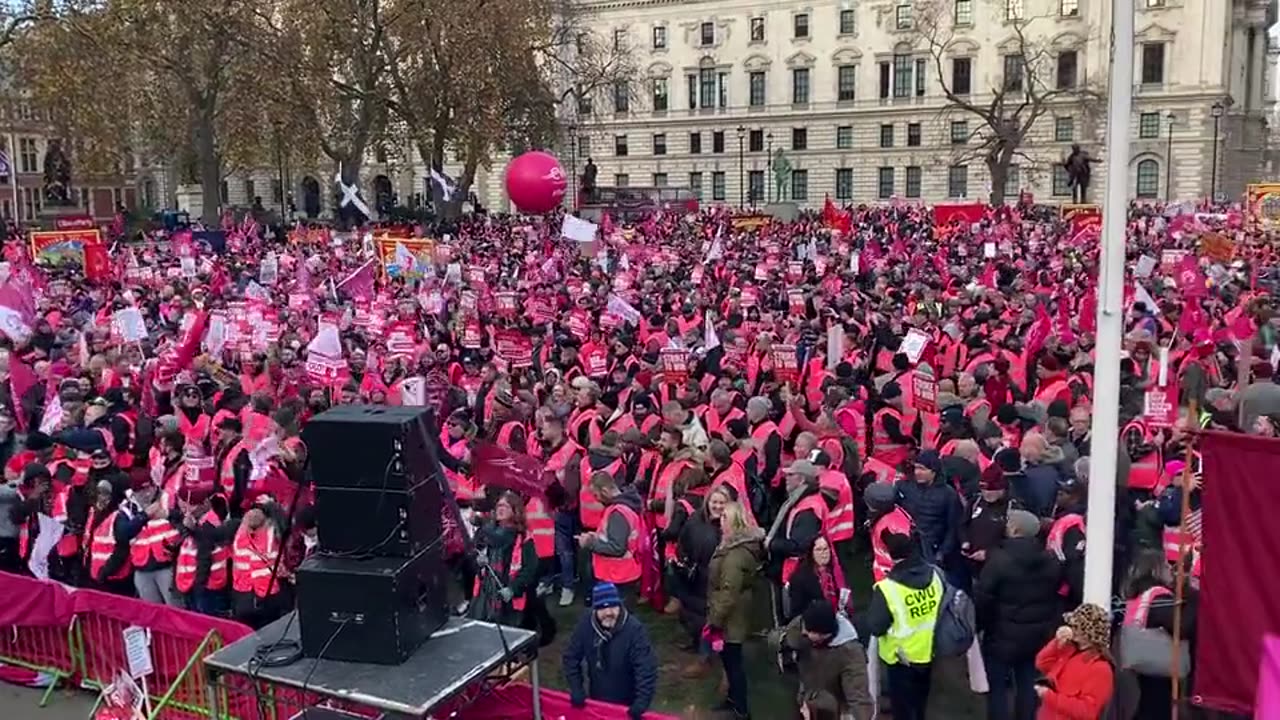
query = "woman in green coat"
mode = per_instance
[{"x": 730, "y": 577}]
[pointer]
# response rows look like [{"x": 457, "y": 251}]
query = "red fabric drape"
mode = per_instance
[
  {"x": 516, "y": 701},
  {"x": 1240, "y": 598}
]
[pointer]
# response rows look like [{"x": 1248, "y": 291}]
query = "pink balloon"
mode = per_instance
[{"x": 535, "y": 182}]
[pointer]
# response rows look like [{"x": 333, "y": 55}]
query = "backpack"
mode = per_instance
[{"x": 956, "y": 628}]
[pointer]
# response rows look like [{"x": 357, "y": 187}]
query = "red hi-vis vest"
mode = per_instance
[
  {"x": 589, "y": 507},
  {"x": 255, "y": 554},
  {"x": 625, "y": 569},
  {"x": 761, "y": 435},
  {"x": 124, "y": 459},
  {"x": 839, "y": 525},
  {"x": 463, "y": 487},
  {"x": 184, "y": 573},
  {"x": 886, "y": 450},
  {"x": 930, "y": 427},
  {"x": 227, "y": 471},
  {"x": 153, "y": 544},
  {"x": 101, "y": 547},
  {"x": 715, "y": 422},
  {"x": 897, "y": 522},
  {"x": 517, "y": 562},
  {"x": 506, "y": 431},
  {"x": 818, "y": 506},
  {"x": 1144, "y": 472},
  {"x": 559, "y": 460},
  {"x": 195, "y": 432},
  {"x": 666, "y": 477},
  {"x": 542, "y": 527},
  {"x": 669, "y": 549},
  {"x": 69, "y": 545},
  {"x": 847, "y": 417},
  {"x": 975, "y": 405},
  {"x": 1057, "y": 534},
  {"x": 1173, "y": 539},
  {"x": 884, "y": 473},
  {"x": 834, "y": 450},
  {"x": 1137, "y": 609},
  {"x": 1050, "y": 392},
  {"x": 591, "y": 416},
  {"x": 735, "y": 477}
]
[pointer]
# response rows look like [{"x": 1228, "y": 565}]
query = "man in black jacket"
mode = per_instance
[
  {"x": 1018, "y": 609},
  {"x": 935, "y": 509}
]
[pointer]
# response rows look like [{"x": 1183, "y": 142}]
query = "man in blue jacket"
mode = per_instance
[{"x": 621, "y": 667}]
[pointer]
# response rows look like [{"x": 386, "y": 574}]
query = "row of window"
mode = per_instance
[
  {"x": 846, "y": 20},
  {"x": 757, "y": 140},
  {"x": 1148, "y": 182}
]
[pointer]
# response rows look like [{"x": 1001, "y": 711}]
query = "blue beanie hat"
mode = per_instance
[{"x": 605, "y": 595}]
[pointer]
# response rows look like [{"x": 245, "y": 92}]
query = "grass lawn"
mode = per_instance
[{"x": 772, "y": 695}]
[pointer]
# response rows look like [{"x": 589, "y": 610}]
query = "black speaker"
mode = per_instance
[
  {"x": 379, "y": 522},
  {"x": 371, "y": 447},
  {"x": 378, "y": 610}
]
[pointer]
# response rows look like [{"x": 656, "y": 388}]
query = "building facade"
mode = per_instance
[{"x": 863, "y": 97}]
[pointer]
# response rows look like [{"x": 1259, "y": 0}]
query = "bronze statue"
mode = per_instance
[
  {"x": 57, "y": 176},
  {"x": 1079, "y": 173}
]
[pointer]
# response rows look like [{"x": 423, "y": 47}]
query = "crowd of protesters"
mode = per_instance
[{"x": 728, "y": 415}]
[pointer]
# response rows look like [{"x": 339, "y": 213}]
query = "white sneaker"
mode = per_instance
[{"x": 566, "y": 597}]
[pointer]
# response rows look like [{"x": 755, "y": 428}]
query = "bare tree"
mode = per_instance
[{"x": 1028, "y": 88}]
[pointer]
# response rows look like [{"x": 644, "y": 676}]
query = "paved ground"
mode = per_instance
[{"x": 23, "y": 704}]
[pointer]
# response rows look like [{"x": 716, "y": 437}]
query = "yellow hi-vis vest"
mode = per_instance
[{"x": 915, "y": 613}]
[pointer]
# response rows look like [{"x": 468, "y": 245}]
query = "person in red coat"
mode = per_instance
[{"x": 1079, "y": 676}]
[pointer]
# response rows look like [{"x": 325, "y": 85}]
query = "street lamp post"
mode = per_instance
[
  {"x": 1217, "y": 110},
  {"x": 742, "y": 188},
  {"x": 768, "y": 186},
  {"x": 1168, "y": 159},
  {"x": 573, "y": 165}
]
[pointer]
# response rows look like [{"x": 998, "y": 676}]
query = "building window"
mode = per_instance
[
  {"x": 844, "y": 137},
  {"x": 800, "y": 86},
  {"x": 1068, "y": 64},
  {"x": 913, "y": 134},
  {"x": 799, "y": 184},
  {"x": 913, "y": 181},
  {"x": 277, "y": 191},
  {"x": 755, "y": 141},
  {"x": 691, "y": 81},
  {"x": 961, "y": 76},
  {"x": 621, "y": 180},
  {"x": 884, "y": 183},
  {"x": 1013, "y": 67},
  {"x": 1148, "y": 179},
  {"x": 959, "y": 132},
  {"x": 659, "y": 179},
  {"x": 1013, "y": 181},
  {"x": 695, "y": 184},
  {"x": 920, "y": 63},
  {"x": 844, "y": 183},
  {"x": 584, "y": 102},
  {"x": 756, "y": 82},
  {"x": 963, "y": 12},
  {"x": 958, "y": 181},
  {"x": 847, "y": 22},
  {"x": 901, "y": 76},
  {"x": 1149, "y": 125},
  {"x": 755, "y": 185},
  {"x": 1152, "y": 63},
  {"x": 707, "y": 88},
  {"x": 660, "y": 94},
  {"x": 1061, "y": 181},
  {"x": 621, "y": 97},
  {"x": 619, "y": 39},
  {"x": 1013, "y": 10},
  {"x": 902, "y": 16},
  {"x": 250, "y": 192},
  {"x": 846, "y": 82},
  {"x": 722, "y": 90},
  {"x": 708, "y": 34},
  {"x": 886, "y": 135},
  {"x": 757, "y": 29},
  {"x": 1155, "y": 3},
  {"x": 1069, "y": 8},
  {"x": 799, "y": 139},
  {"x": 660, "y": 37},
  {"x": 620, "y": 145},
  {"x": 28, "y": 155},
  {"x": 660, "y": 144},
  {"x": 1064, "y": 129},
  {"x": 717, "y": 141},
  {"x": 800, "y": 25},
  {"x": 224, "y": 192},
  {"x": 584, "y": 146},
  {"x": 695, "y": 143},
  {"x": 717, "y": 185},
  {"x": 885, "y": 72}
]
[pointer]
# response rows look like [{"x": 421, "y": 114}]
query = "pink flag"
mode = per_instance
[
  {"x": 988, "y": 279},
  {"x": 1190, "y": 279},
  {"x": 1193, "y": 320},
  {"x": 17, "y": 315},
  {"x": 21, "y": 379},
  {"x": 1268, "y": 697},
  {"x": 1039, "y": 331},
  {"x": 359, "y": 284}
]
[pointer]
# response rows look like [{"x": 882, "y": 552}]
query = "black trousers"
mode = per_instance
[{"x": 909, "y": 690}]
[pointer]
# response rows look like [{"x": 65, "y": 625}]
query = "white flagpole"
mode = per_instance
[
  {"x": 13, "y": 176},
  {"x": 1106, "y": 385}
]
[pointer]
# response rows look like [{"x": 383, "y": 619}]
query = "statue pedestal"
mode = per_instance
[
  {"x": 784, "y": 211},
  {"x": 49, "y": 215}
]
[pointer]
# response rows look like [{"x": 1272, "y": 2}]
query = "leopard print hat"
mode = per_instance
[{"x": 1091, "y": 627}]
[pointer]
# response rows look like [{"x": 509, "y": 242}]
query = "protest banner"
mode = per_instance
[
  {"x": 421, "y": 249},
  {"x": 1170, "y": 260},
  {"x": 1082, "y": 218},
  {"x": 58, "y": 247},
  {"x": 1217, "y": 247},
  {"x": 1262, "y": 202},
  {"x": 968, "y": 213},
  {"x": 1160, "y": 406},
  {"x": 750, "y": 222},
  {"x": 675, "y": 365},
  {"x": 786, "y": 366},
  {"x": 925, "y": 391}
]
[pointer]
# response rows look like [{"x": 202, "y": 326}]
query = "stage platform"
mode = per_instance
[{"x": 464, "y": 654}]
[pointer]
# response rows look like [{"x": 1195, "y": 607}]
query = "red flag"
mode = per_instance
[
  {"x": 495, "y": 466},
  {"x": 21, "y": 379},
  {"x": 1039, "y": 331},
  {"x": 988, "y": 279},
  {"x": 359, "y": 284},
  {"x": 1063, "y": 325},
  {"x": 1089, "y": 311},
  {"x": 1190, "y": 279},
  {"x": 17, "y": 315},
  {"x": 1193, "y": 320},
  {"x": 97, "y": 266}
]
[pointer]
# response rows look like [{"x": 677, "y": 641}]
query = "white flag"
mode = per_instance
[
  {"x": 623, "y": 309},
  {"x": 52, "y": 418},
  {"x": 710, "y": 340},
  {"x": 1140, "y": 295},
  {"x": 404, "y": 260},
  {"x": 835, "y": 345}
]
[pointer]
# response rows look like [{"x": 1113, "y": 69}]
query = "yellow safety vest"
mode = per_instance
[{"x": 915, "y": 613}]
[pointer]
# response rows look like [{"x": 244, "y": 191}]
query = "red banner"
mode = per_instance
[
  {"x": 1083, "y": 218},
  {"x": 497, "y": 467},
  {"x": 967, "y": 212},
  {"x": 786, "y": 368},
  {"x": 61, "y": 246},
  {"x": 77, "y": 222},
  {"x": 675, "y": 365},
  {"x": 1160, "y": 406},
  {"x": 925, "y": 389}
]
